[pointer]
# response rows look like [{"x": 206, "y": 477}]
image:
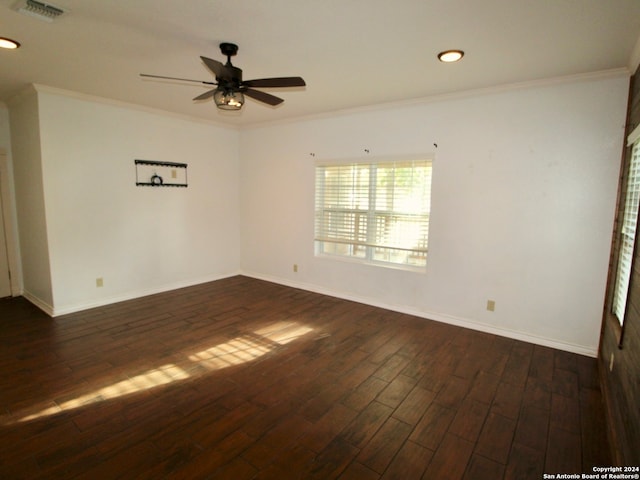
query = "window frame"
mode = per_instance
[
  {"x": 632, "y": 144},
  {"x": 371, "y": 215},
  {"x": 627, "y": 236}
]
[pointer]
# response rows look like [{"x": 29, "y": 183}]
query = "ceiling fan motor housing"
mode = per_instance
[{"x": 228, "y": 49}]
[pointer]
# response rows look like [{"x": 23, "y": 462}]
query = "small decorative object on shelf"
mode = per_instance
[
  {"x": 151, "y": 173},
  {"x": 156, "y": 179}
]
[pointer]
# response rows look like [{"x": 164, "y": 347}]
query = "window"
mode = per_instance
[
  {"x": 627, "y": 235},
  {"x": 375, "y": 212}
]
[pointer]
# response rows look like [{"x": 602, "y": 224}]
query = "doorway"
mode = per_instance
[{"x": 5, "y": 275}]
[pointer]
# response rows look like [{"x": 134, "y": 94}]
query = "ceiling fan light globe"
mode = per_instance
[{"x": 228, "y": 99}]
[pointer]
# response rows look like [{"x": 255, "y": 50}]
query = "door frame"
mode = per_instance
[{"x": 10, "y": 224}]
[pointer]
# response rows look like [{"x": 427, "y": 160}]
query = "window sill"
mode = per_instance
[{"x": 368, "y": 263}]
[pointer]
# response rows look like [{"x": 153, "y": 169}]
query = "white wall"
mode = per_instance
[
  {"x": 524, "y": 191},
  {"x": 140, "y": 240},
  {"x": 30, "y": 203},
  {"x": 7, "y": 192}
]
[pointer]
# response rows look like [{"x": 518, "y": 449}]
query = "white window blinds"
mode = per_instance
[
  {"x": 628, "y": 235},
  {"x": 376, "y": 212}
]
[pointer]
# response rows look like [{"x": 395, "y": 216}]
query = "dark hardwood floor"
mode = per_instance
[{"x": 244, "y": 379}]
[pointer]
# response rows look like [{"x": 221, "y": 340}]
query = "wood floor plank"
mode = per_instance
[
  {"x": 237, "y": 469},
  {"x": 319, "y": 404},
  {"x": 451, "y": 459},
  {"x": 484, "y": 386},
  {"x": 333, "y": 460},
  {"x": 480, "y": 467},
  {"x": 452, "y": 394},
  {"x": 516, "y": 370},
  {"x": 395, "y": 393},
  {"x": 366, "y": 392},
  {"x": 469, "y": 419},
  {"x": 542, "y": 363},
  {"x": 496, "y": 438},
  {"x": 565, "y": 413},
  {"x": 327, "y": 428},
  {"x": 293, "y": 461},
  {"x": 563, "y": 451},
  {"x": 436, "y": 375},
  {"x": 209, "y": 434},
  {"x": 357, "y": 471},
  {"x": 129, "y": 462},
  {"x": 275, "y": 441},
  {"x": 565, "y": 383},
  {"x": 410, "y": 462},
  {"x": 380, "y": 450},
  {"x": 245, "y": 379},
  {"x": 525, "y": 464},
  {"x": 508, "y": 400},
  {"x": 366, "y": 424},
  {"x": 537, "y": 393},
  {"x": 215, "y": 456},
  {"x": 532, "y": 428},
  {"x": 414, "y": 405},
  {"x": 433, "y": 426},
  {"x": 595, "y": 444},
  {"x": 392, "y": 367}
]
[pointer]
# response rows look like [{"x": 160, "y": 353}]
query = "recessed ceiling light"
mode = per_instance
[
  {"x": 450, "y": 56},
  {"x": 8, "y": 43}
]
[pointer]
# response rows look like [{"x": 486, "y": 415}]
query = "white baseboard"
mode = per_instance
[
  {"x": 438, "y": 317},
  {"x": 66, "y": 309},
  {"x": 41, "y": 304}
]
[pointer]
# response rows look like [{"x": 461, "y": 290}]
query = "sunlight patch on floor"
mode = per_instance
[
  {"x": 284, "y": 332},
  {"x": 250, "y": 346},
  {"x": 234, "y": 352},
  {"x": 242, "y": 349},
  {"x": 153, "y": 378}
]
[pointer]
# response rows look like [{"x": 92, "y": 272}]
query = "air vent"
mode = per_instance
[{"x": 40, "y": 10}]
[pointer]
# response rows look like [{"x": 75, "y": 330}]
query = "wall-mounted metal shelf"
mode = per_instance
[{"x": 151, "y": 173}]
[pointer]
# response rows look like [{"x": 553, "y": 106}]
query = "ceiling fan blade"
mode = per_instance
[
  {"x": 262, "y": 96},
  {"x": 215, "y": 66},
  {"x": 176, "y": 78},
  {"x": 206, "y": 95},
  {"x": 275, "y": 82}
]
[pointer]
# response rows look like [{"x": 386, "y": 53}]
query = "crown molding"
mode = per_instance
[
  {"x": 497, "y": 89},
  {"x": 568, "y": 79},
  {"x": 132, "y": 106}
]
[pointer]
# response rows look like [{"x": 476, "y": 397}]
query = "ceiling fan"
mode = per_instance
[{"x": 230, "y": 88}]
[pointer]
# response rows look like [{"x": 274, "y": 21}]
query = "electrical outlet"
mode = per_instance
[
  {"x": 611, "y": 360},
  {"x": 99, "y": 282},
  {"x": 295, "y": 267},
  {"x": 491, "y": 305}
]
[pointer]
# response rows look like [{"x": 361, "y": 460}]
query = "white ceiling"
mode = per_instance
[{"x": 352, "y": 53}]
